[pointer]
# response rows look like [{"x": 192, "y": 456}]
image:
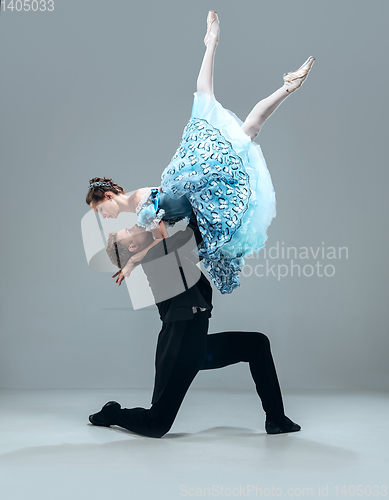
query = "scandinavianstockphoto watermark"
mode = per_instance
[
  {"x": 281, "y": 261},
  {"x": 320, "y": 491}
]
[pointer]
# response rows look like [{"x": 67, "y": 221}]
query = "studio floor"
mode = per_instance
[{"x": 217, "y": 447}]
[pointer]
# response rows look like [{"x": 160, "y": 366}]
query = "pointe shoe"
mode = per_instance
[
  {"x": 212, "y": 17},
  {"x": 295, "y": 79},
  {"x": 287, "y": 426}
]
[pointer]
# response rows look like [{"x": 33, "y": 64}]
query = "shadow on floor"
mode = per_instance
[{"x": 217, "y": 445}]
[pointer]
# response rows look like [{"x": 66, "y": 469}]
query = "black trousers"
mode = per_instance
[{"x": 200, "y": 351}]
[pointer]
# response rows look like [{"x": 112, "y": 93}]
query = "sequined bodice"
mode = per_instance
[
  {"x": 178, "y": 207},
  {"x": 156, "y": 206}
]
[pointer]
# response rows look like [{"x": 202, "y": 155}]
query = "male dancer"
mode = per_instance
[{"x": 184, "y": 346}]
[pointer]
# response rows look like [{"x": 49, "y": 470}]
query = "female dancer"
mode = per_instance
[{"x": 217, "y": 171}]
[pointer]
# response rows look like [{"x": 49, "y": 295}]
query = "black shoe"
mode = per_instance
[
  {"x": 101, "y": 419},
  {"x": 287, "y": 426}
]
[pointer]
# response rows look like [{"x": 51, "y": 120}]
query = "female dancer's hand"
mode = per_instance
[{"x": 125, "y": 272}]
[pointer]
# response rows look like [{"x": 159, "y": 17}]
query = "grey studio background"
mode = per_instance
[{"x": 97, "y": 88}]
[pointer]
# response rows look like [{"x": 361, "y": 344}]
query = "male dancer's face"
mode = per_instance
[{"x": 135, "y": 239}]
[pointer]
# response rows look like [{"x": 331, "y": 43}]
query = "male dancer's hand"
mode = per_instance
[{"x": 125, "y": 272}]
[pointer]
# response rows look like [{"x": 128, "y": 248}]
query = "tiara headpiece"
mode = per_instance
[{"x": 98, "y": 184}]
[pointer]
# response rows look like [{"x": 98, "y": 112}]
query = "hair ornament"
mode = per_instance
[{"x": 98, "y": 184}]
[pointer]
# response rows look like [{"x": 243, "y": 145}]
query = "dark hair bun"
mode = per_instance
[{"x": 96, "y": 193}]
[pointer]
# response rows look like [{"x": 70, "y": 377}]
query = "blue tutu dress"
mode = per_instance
[{"x": 223, "y": 175}]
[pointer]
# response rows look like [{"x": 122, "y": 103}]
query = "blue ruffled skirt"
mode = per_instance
[{"x": 225, "y": 178}]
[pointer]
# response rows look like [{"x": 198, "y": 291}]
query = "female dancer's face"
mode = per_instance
[
  {"x": 108, "y": 208},
  {"x": 135, "y": 239}
]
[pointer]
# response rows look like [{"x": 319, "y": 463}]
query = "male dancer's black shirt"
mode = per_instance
[
  {"x": 170, "y": 267},
  {"x": 170, "y": 262}
]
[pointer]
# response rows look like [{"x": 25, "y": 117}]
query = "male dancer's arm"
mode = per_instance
[
  {"x": 135, "y": 259},
  {"x": 177, "y": 293}
]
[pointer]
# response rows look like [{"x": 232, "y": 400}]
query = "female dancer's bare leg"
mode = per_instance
[
  {"x": 205, "y": 78},
  {"x": 266, "y": 107},
  {"x": 261, "y": 112}
]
